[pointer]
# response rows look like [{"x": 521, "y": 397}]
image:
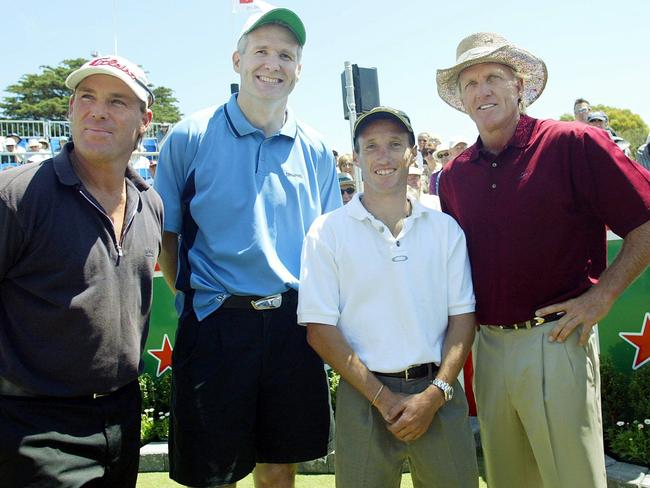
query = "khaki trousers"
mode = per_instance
[
  {"x": 539, "y": 409},
  {"x": 369, "y": 456}
]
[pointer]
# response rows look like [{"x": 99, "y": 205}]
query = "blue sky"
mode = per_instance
[{"x": 593, "y": 49}]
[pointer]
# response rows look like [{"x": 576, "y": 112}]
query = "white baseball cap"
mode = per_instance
[{"x": 121, "y": 68}]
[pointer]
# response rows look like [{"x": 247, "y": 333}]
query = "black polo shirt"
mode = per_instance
[{"x": 74, "y": 300}]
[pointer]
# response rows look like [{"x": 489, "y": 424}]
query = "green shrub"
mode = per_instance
[
  {"x": 626, "y": 413},
  {"x": 156, "y": 396},
  {"x": 334, "y": 378}
]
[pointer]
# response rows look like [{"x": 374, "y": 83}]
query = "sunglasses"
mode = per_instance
[
  {"x": 443, "y": 155},
  {"x": 428, "y": 152},
  {"x": 349, "y": 191},
  {"x": 582, "y": 110}
]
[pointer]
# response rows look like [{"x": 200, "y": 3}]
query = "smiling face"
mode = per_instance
[
  {"x": 269, "y": 64},
  {"x": 490, "y": 93},
  {"x": 384, "y": 155},
  {"x": 106, "y": 119}
]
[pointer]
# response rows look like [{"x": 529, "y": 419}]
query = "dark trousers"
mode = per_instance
[{"x": 70, "y": 442}]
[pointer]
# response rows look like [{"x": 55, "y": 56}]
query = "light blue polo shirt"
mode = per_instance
[{"x": 241, "y": 202}]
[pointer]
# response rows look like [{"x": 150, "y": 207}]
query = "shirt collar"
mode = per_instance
[
  {"x": 356, "y": 210},
  {"x": 240, "y": 125},
  {"x": 520, "y": 138}
]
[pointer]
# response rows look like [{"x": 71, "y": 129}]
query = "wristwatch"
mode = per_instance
[{"x": 446, "y": 388}]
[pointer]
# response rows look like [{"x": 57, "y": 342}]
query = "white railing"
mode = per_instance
[
  {"x": 11, "y": 160},
  {"x": 57, "y": 128}
]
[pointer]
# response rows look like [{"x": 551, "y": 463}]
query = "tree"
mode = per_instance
[
  {"x": 626, "y": 124},
  {"x": 41, "y": 96},
  {"x": 44, "y": 96},
  {"x": 165, "y": 109}
]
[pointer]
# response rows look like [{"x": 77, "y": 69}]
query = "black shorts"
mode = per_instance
[
  {"x": 70, "y": 442},
  {"x": 246, "y": 389}
]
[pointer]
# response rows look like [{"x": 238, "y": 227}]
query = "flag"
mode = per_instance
[{"x": 251, "y": 6}]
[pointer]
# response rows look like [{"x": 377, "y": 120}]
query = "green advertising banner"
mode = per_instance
[{"x": 624, "y": 334}]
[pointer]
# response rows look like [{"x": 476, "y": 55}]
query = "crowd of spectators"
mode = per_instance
[
  {"x": 433, "y": 152},
  {"x": 16, "y": 150}
]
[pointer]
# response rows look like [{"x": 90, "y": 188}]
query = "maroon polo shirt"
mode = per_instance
[{"x": 534, "y": 215}]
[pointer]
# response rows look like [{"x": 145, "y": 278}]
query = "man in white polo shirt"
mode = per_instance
[{"x": 397, "y": 335}]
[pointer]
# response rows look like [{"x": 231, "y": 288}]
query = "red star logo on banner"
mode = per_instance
[
  {"x": 641, "y": 341},
  {"x": 163, "y": 355}
]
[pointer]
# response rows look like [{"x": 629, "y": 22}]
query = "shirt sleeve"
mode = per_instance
[
  {"x": 171, "y": 175},
  {"x": 11, "y": 239},
  {"x": 318, "y": 296},
  {"x": 328, "y": 183},
  {"x": 459, "y": 276},
  {"x": 613, "y": 187}
]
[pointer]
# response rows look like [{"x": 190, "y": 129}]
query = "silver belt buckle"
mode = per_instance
[{"x": 267, "y": 303}]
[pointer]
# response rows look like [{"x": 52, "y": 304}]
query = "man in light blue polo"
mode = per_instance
[{"x": 241, "y": 185}]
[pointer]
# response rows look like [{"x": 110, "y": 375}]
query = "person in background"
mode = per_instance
[
  {"x": 643, "y": 154},
  {"x": 601, "y": 120},
  {"x": 581, "y": 110},
  {"x": 457, "y": 146},
  {"x": 348, "y": 187},
  {"x": 345, "y": 164},
  {"x": 34, "y": 152},
  {"x": 442, "y": 156},
  {"x": 414, "y": 182}
]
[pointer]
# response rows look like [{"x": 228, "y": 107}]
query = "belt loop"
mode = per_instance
[{"x": 429, "y": 372}]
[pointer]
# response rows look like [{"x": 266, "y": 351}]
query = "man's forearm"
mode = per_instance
[
  {"x": 630, "y": 262},
  {"x": 330, "y": 345},
  {"x": 168, "y": 259},
  {"x": 458, "y": 343}
]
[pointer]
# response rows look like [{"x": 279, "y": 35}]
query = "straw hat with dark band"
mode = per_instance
[{"x": 487, "y": 47}]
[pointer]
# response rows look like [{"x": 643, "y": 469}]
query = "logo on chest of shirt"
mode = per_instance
[
  {"x": 399, "y": 259},
  {"x": 148, "y": 252},
  {"x": 292, "y": 175}
]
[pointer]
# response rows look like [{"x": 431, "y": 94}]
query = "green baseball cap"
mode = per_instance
[
  {"x": 282, "y": 16},
  {"x": 382, "y": 113}
]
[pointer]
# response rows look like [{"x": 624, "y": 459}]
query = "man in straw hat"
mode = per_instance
[
  {"x": 241, "y": 185},
  {"x": 533, "y": 197},
  {"x": 397, "y": 335},
  {"x": 79, "y": 238}
]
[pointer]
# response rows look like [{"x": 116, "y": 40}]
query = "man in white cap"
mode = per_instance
[
  {"x": 241, "y": 184},
  {"x": 414, "y": 184},
  {"x": 79, "y": 237},
  {"x": 397, "y": 335},
  {"x": 533, "y": 197},
  {"x": 441, "y": 156},
  {"x": 17, "y": 154},
  {"x": 456, "y": 146},
  {"x": 36, "y": 154}
]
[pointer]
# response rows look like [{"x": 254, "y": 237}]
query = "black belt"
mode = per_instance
[
  {"x": 529, "y": 324},
  {"x": 251, "y": 302},
  {"x": 414, "y": 372},
  {"x": 7, "y": 388}
]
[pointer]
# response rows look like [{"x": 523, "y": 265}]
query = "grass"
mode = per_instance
[{"x": 161, "y": 480}]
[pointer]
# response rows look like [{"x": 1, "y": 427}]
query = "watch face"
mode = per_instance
[
  {"x": 446, "y": 388},
  {"x": 449, "y": 394}
]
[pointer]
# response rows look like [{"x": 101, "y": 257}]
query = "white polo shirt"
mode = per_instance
[{"x": 390, "y": 296}]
